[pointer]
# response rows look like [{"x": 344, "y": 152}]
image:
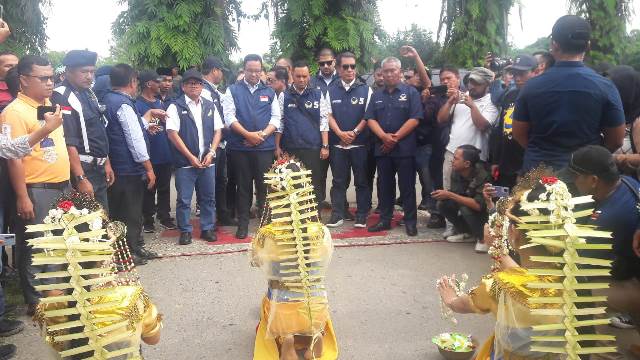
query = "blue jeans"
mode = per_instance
[
  {"x": 203, "y": 181},
  {"x": 342, "y": 161},
  {"x": 423, "y": 161}
]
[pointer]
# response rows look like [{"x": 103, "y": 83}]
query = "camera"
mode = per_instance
[{"x": 497, "y": 64}]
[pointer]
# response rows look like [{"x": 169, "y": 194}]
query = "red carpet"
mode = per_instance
[{"x": 226, "y": 235}]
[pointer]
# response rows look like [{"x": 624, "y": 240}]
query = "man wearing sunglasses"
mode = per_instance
[
  {"x": 327, "y": 75},
  {"x": 349, "y": 139},
  {"x": 39, "y": 178}
]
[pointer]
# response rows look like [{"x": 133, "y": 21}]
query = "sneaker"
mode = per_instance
[
  {"x": 460, "y": 238},
  {"x": 361, "y": 222},
  {"x": 10, "y": 327},
  {"x": 148, "y": 228},
  {"x": 449, "y": 230},
  {"x": 622, "y": 321},
  {"x": 481, "y": 247},
  {"x": 7, "y": 351},
  {"x": 335, "y": 221},
  {"x": 348, "y": 215},
  {"x": 168, "y": 224}
]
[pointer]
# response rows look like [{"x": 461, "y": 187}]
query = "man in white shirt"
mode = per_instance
[
  {"x": 471, "y": 114},
  {"x": 194, "y": 128}
]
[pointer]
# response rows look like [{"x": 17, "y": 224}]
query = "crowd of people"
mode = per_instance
[{"x": 126, "y": 133}]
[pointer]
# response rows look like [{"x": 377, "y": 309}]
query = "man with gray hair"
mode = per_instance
[
  {"x": 393, "y": 114},
  {"x": 471, "y": 115}
]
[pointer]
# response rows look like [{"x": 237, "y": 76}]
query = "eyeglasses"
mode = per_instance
[
  {"x": 43, "y": 79},
  {"x": 325, "y": 63},
  {"x": 349, "y": 66}
]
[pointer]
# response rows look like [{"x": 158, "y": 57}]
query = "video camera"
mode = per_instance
[{"x": 498, "y": 64}]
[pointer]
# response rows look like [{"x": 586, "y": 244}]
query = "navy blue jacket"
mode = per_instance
[
  {"x": 159, "y": 150},
  {"x": 253, "y": 112},
  {"x": 121, "y": 159},
  {"x": 301, "y": 119},
  {"x": 348, "y": 108},
  {"x": 189, "y": 132},
  {"x": 319, "y": 83},
  {"x": 392, "y": 110}
]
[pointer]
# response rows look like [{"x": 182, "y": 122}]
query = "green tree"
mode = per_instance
[
  {"x": 631, "y": 54},
  {"x": 27, "y": 24},
  {"x": 473, "y": 28},
  {"x": 542, "y": 44},
  {"x": 183, "y": 32},
  {"x": 608, "y": 19},
  {"x": 55, "y": 58},
  {"x": 420, "y": 38},
  {"x": 302, "y": 27}
]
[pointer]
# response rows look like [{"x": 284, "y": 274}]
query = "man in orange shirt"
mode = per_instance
[{"x": 41, "y": 177}]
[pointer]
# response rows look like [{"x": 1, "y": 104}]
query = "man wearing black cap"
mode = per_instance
[
  {"x": 194, "y": 128},
  {"x": 505, "y": 153},
  {"x": 160, "y": 154},
  {"x": 593, "y": 171},
  {"x": 569, "y": 105},
  {"x": 84, "y": 126},
  {"x": 212, "y": 74}
]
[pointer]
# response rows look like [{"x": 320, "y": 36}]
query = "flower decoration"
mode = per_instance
[
  {"x": 455, "y": 342},
  {"x": 65, "y": 205},
  {"x": 549, "y": 180}
]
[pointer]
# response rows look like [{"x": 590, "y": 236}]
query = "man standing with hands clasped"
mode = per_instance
[
  {"x": 194, "y": 127},
  {"x": 392, "y": 116}
]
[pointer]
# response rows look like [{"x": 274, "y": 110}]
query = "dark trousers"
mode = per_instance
[
  {"x": 342, "y": 162},
  {"x": 323, "y": 170},
  {"x": 42, "y": 199},
  {"x": 405, "y": 167},
  {"x": 98, "y": 179},
  {"x": 125, "y": 205},
  {"x": 463, "y": 218},
  {"x": 246, "y": 167},
  {"x": 371, "y": 171},
  {"x": 222, "y": 209},
  {"x": 310, "y": 158},
  {"x": 162, "y": 207},
  {"x": 423, "y": 160}
]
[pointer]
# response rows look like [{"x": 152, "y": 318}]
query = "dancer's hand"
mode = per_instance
[{"x": 446, "y": 289}]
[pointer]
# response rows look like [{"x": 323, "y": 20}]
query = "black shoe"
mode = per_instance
[
  {"x": 185, "y": 238},
  {"x": 147, "y": 254},
  {"x": 227, "y": 221},
  {"x": 411, "y": 230},
  {"x": 361, "y": 222},
  {"x": 138, "y": 260},
  {"x": 7, "y": 351},
  {"x": 381, "y": 226},
  {"x": 209, "y": 235},
  {"x": 348, "y": 215},
  {"x": 168, "y": 224},
  {"x": 242, "y": 232},
  {"x": 149, "y": 228},
  {"x": 334, "y": 221},
  {"x": 8, "y": 309},
  {"x": 423, "y": 206},
  {"x": 10, "y": 327},
  {"x": 436, "y": 222}
]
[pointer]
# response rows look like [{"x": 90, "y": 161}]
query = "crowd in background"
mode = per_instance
[{"x": 126, "y": 133}]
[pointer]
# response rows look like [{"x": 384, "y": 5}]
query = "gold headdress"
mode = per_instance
[
  {"x": 96, "y": 292},
  {"x": 557, "y": 230}
]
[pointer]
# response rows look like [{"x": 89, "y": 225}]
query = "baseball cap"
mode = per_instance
[
  {"x": 589, "y": 160},
  {"x": 191, "y": 74},
  {"x": 80, "y": 58},
  {"x": 523, "y": 63},
  {"x": 571, "y": 30},
  {"x": 148, "y": 75},
  {"x": 481, "y": 75},
  {"x": 213, "y": 62}
]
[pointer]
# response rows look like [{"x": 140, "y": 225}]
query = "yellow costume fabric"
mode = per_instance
[
  {"x": 267, "y": 349},
  {"x": 505, "y": 295}
]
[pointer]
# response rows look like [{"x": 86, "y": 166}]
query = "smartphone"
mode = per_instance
[
  {"x": 438, "y": 90},
  {"x": 501, "y": 191},
  {"x": 43, "y": 110},
  {"x": 9, "y": 239}
]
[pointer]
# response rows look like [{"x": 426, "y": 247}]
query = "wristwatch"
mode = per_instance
[
  {"x": 325, "y": 147},
  {"x": 356, "y": 131},
  {"x": 80, "y": 178}
]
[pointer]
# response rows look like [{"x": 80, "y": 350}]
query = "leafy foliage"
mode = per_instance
[
  {"x": 305, "y": 26},
  {"x": 631, "y": 54},
  {"x": 608, "y": 20},
  {"x": 542, "y": 44},
  {"x": 183, "y": 32},
  {"x": 420, "y": 38},
  {"x": 472, "y": 28},
  {"x": 27, "y": 24}
]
